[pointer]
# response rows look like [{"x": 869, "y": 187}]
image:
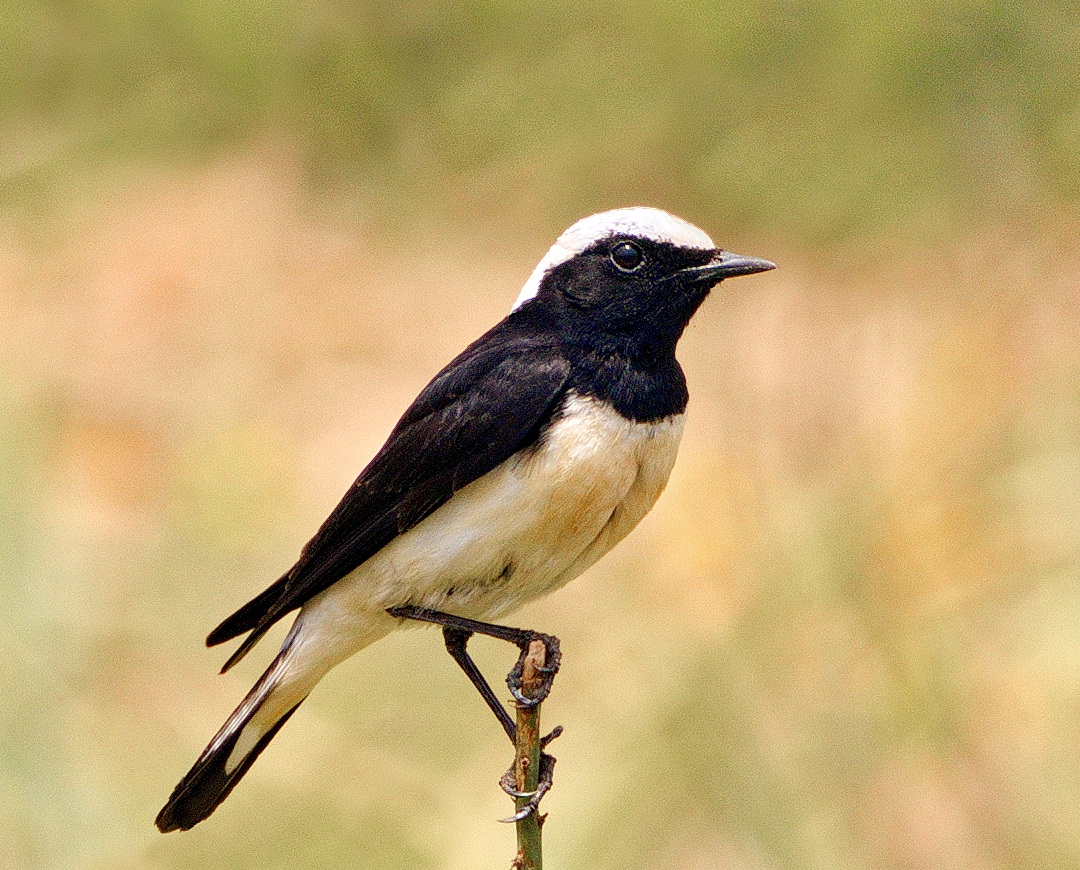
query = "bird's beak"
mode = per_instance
[{"x": 725, "y": 264}]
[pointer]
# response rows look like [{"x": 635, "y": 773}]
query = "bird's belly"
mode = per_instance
[{"x": 527, "y": 527}]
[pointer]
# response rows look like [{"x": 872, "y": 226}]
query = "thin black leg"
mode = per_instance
[
  {"x": 456, "y": 641},
  {"x": 456, "y": 633},
  {"x": 516, "y": 636},
  {"x": 520, "y": 637}
]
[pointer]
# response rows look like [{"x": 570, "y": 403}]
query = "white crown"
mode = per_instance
[{"x": 644, "y": 223}]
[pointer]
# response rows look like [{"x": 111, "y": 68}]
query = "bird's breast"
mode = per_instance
[
  {"x": 528, "y": 526},
  {"x": 621, "y": 471},
  {"x": 598, "y": 469},
  {"x": 550, "y": 511}
]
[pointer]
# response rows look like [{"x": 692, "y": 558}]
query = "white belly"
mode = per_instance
[{"x": 519, "y": 532}]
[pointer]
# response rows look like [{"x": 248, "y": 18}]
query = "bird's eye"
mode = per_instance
[{"x": 627, "y": 256}]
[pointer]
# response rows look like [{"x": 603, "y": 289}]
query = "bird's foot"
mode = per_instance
[
  {"x": 508, "y": 784},
  {"x": 547, "y": 671}
]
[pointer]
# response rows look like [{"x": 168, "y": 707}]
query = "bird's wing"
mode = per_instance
[{"x": 490, "y": 402}]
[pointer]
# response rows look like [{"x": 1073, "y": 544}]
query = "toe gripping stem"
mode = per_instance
[
  {"x": 508, "y": 784},
  {"x": 530, "y": 777},
  {"x": 544, "y": 674}
]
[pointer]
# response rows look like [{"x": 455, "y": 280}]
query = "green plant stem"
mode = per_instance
[{"x": 527, "y": 762}]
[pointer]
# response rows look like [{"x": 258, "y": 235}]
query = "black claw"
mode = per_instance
[
  {"x": 508, "y": 783},
  {"x": 523, "y": 813},
  {"x": 524, "y": 702},
  {"x": 547, "y": 671}
]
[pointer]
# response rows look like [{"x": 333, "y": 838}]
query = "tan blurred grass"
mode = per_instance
[{"x": 849, "y": 626}]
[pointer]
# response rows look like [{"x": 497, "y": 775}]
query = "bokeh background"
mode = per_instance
[{"x": 237, "y": 237}]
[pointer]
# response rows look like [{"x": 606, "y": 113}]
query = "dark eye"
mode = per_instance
[{"x": 627, "y": 256}]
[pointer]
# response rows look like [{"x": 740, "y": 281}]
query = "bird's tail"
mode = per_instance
[{"x": 245, "y": 734}]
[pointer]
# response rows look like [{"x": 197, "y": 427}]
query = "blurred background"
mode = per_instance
[{"x": 237, "y": 238}]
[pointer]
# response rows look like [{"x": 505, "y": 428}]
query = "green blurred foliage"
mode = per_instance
[{"x": 815, "y": 121}]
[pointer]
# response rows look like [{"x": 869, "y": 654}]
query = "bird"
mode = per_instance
[{"x": 526, "y": 459}]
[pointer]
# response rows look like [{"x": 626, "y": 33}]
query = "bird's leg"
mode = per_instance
[
  {"x": 456, "y": 632},
  {"x": 456, "y": 641},
  {"x": 520, "y": 637}
]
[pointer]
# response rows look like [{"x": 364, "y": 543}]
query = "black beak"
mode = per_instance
[{"x": 725, "y": 264}]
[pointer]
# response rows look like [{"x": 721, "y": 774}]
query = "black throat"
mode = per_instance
[
  {"x": 640, "y": 390},
  {"x": 634, "y": 371}
]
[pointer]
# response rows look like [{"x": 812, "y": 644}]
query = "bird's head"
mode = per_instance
[{"x": 638, "y": 273}]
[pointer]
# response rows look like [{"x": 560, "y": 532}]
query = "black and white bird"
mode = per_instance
[{"x": 523, "y": 462}]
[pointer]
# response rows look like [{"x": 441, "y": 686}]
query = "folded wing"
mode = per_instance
[{"x": 485, "y": 406}]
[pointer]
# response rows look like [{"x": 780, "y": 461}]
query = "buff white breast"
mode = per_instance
[{"x": 519, "y": 532}]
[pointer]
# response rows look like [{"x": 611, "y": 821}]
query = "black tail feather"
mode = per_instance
[
  {"x": 207, "y": 784},
  {"x": 257, "y": 616},
  {"x": 248, "y": 616},
  {"x": 245, "y": 647}
]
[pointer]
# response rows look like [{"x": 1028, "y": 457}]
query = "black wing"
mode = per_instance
[{"x": 486, "y": 405}]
